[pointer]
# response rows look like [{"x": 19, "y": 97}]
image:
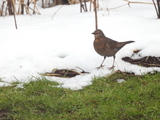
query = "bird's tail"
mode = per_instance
[
  {"x": 127, "y": 42},
  {"x": 121, "y": 44}
]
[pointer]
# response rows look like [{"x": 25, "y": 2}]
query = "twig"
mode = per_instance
[
  {"x": 15, "y": 78},
  {"x": 146, "y": 58},
  {"x": 82, "y": 70},
  {"x": 138, "y": 2},
  {"x": 30, "y": 8},
  {"x": 56, "y": 12},
  {"x": 118, "y": 6},
  {"x": 158, "y": 59}
]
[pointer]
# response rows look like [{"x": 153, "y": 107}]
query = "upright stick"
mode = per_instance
[
  {"x": 95, "y": 10},
  {"x": 14, "y": 11}
]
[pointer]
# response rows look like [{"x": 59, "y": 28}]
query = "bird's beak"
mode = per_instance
[{"x": 93, "y": 33}]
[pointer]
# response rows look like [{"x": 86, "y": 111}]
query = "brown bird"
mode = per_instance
[{"x": 107, "y": 47}]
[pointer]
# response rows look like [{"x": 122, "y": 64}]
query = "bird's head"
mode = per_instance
[{"x": 98, "y": 33}]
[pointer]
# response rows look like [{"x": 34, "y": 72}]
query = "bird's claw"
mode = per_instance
[
  {"x": 111, "y": 68},
  {"x": 101, "y": 66}
]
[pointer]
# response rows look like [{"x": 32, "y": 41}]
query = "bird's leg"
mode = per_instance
[
  {"x": 101, "y": 66},
  {"x": 111, "y": 68}
]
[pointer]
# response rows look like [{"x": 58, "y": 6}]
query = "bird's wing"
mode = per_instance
[{"x": 111, "y": 44}]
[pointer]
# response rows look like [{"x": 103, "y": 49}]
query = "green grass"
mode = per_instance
[{"x": 138, "y": 98}]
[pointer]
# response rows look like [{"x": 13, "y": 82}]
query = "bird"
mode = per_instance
[{"x": 107, "y": 47}]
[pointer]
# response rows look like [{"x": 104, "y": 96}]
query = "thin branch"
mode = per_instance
[
  {"x": 95, "y": 10},
  {"x": 118, "y": 6},
  {"x": 56, "y": 12},
  {"x": 14, "y": 14},
  {"x": 138, "y": 2},
  {"x": 155, "y": 7},
  {"x": 30, "y": 8}
]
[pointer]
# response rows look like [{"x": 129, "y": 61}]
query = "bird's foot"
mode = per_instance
[
  {"x": 111, "y": 68},
  {"x": 101, "y": 66}
]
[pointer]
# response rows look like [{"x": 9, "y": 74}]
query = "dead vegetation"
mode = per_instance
[
  {"x": 9, "y": 7},
  {"x": 147, "y": 61},
  {"x": 65, "y": 73}
]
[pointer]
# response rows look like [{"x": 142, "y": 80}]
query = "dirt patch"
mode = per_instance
[
  {"x": 4, "y": 115},
  {"x": 125, "y": 73}
]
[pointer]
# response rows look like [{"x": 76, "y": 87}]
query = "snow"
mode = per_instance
[{"x": 41, "y": 43}]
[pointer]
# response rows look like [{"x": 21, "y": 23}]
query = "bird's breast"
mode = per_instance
[{"x": 99, "y": 47}]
